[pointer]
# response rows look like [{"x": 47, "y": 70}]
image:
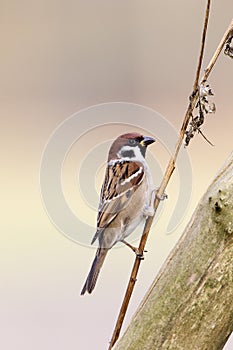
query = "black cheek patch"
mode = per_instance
[{"x": 128, "y": 154}]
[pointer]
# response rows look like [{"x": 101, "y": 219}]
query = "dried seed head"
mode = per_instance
[
  {"x": 228, "y": 48},
  {"x": 203, "y": 107}
]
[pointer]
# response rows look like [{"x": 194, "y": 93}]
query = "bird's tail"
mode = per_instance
[{"x": 94, "y": 271}]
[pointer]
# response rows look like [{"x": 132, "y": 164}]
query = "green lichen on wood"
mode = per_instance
[{"x": 189, "y": 305}]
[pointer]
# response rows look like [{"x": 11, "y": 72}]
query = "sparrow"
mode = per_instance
[{"x": 126, "y": 199}]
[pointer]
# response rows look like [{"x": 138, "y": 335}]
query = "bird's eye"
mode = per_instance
[{"x": 132, "y": 142}]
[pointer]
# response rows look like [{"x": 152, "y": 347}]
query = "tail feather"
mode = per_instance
[{"x": 94, "y": 271}]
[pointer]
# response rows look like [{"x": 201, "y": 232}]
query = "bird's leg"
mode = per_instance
[
  {"x": 134, "y": 249},
  {"x": 148, "y": 210}
]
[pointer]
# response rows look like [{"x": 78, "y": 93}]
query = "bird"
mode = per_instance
[{"x": 126, "y": 198}]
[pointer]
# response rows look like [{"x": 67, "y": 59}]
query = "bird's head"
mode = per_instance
[{"x": 130, "y": 146}]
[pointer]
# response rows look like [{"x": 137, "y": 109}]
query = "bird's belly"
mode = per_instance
[
  {"x": 128, "y": 219},
  {"x": 134, "y": 213},
  {"x": 126, "y": 231}
]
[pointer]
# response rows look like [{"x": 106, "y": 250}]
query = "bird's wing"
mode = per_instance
[{"x": 122, "y": 179}]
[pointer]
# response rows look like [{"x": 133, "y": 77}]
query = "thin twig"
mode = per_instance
[
  {"x": 169, "y": 171},
  {"x": 163, "y": 185},
  {"x": 217, "y": 52},
  {"x": 202, "y": 46}
]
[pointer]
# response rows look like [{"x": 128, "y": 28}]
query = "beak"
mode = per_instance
[{"x": 147, "y": 141}]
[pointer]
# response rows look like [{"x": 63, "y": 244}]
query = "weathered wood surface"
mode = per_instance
[{"x": 190, "y": 304}]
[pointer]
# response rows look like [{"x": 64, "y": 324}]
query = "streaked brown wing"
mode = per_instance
[{"x": 121, "y": 180}]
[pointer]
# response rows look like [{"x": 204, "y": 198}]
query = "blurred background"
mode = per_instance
[{"x": 58, "y": 57}]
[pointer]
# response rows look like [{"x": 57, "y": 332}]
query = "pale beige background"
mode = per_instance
[{"x": 56, "y": 58}]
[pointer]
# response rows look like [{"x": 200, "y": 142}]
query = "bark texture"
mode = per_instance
[{"x": 190, "y": 303}]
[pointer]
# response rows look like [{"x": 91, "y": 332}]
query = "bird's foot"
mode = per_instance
[
  {"x": 135, "y": 250},
  {"x": 160, "y": 197},
  {"x": 140, "y": 256}
]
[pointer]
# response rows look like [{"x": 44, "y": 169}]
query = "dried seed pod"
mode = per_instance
[
  {"x": 228, "y": 48},
  {"x": 204, "y": 107}
]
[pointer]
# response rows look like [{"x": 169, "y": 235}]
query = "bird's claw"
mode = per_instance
[
  {"x": 161, "y": 197},
  {"x": 140, "y": 256}
]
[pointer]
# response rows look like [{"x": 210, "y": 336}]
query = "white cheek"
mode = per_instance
[{"x": 137, "y": 153}]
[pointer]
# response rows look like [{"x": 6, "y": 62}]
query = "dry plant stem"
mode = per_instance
[
  {"x": 169, "y": 171},
  {"x": 202, "y": 46},
  {"x": 217, "y": 52},
  {"x": 163, "y": 185}
]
